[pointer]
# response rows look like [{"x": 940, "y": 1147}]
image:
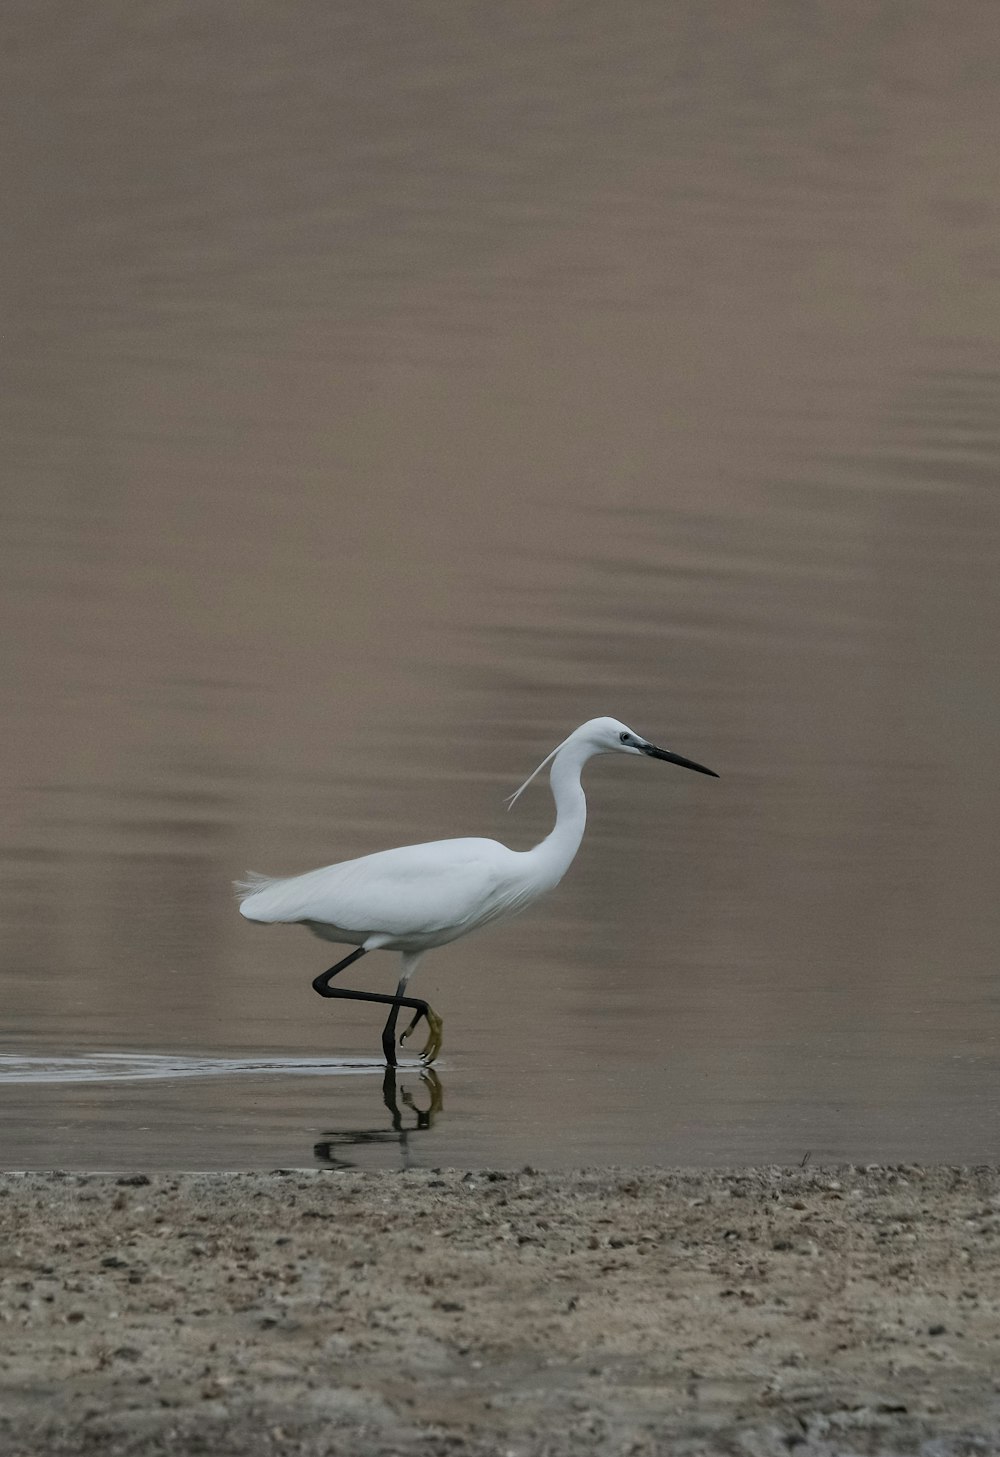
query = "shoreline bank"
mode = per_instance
[{"x": 820, "y": 1310}]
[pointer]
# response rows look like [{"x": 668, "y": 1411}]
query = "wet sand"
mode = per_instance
[{"x": 755, "y": 1312}]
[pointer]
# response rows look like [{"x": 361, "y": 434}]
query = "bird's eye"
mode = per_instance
[{"x": 623, "y": 737}]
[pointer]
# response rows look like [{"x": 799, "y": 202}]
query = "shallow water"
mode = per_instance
[{"x": 384, "y": 395}]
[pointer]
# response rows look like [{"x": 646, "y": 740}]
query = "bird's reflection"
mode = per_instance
[{"x": 397, "y": 1099}]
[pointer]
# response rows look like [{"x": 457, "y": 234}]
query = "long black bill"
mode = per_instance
[{"x": 655, "y": 753}]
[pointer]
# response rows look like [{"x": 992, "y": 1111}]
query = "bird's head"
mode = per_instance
[{"x": 610, "y": 736}]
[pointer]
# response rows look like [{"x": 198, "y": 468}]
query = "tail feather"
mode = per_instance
[{"x": 253, "y": 883}]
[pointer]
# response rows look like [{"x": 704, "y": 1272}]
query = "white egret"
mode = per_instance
[{"x": 420, "y": 896}]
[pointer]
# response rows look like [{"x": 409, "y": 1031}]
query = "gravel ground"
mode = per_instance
[{"x": 829, "y": 1311}]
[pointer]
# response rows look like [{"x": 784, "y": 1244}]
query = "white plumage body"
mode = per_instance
[{"x": 403, "y": 900}]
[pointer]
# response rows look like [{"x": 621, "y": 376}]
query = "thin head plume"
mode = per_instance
[{"x": 513, "y": 798}]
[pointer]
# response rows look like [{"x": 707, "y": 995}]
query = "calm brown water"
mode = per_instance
[{"x": 386, "y": 390}]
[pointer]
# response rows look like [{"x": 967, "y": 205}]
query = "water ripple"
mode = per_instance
[{"x": 124, "y": 1067}]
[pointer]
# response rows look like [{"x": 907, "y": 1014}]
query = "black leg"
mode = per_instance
[
  {"x": 321, "y": 983},
  {"x": 421, "y": 1008},
  {"x": 405, "y": 1035},
  {"x": 389, "y": 1030}
]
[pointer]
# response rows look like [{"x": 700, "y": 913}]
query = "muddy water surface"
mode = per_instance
[{"x": 386, "y": 392}]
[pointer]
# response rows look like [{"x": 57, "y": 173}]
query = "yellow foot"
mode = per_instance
[
  {"x": 435, "y": 1030},
  {"x": 435, "y": 1036}
]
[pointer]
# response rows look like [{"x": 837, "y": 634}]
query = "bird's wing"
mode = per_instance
[{"x": 415, "y": 890}]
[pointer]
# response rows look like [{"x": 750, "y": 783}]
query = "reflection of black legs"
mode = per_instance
[
  {"x": 424, "y": 1116},
  {"x": 322, "y": 985},
  {"x": 389, "y": 1097}
]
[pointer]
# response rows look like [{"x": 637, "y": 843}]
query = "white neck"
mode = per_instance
[{"x": 556, "y": 852}]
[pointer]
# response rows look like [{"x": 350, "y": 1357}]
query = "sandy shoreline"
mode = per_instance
[{"x": 829, "y": 1311}]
